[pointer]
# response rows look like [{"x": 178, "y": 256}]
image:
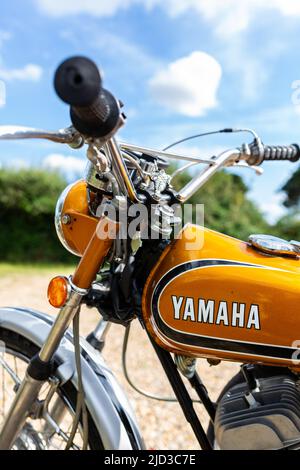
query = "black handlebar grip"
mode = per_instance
[
  {"x": 260, "y": 152},
  {"x": 282, "y": 153},
  {"x": 94, "y": 111}
]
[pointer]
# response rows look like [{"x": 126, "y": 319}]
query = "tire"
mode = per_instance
[{"x": 23, "y": 347}]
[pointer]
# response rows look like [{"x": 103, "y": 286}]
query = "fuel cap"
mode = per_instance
[{"x": 274, "y": 245}]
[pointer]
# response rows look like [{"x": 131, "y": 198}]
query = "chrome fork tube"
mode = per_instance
[
  {"x": 19, "y": 411},
  {"x": 120, "y": 170},
  {"x": 29, "y": 389},
  {"x": 61, "y": 323},
  {"x": 101, "y": 330},
  {"x": 97, "y": 337}
]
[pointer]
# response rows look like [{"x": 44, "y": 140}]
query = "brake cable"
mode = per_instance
[
  {"x": 203, "y": 134},
  {"x": 227, "y": 130},
  {"x": 81, "y": 409},
  {"x": 130, "y": 382}
]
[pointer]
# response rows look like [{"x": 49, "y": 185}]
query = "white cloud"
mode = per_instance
[
  {"x": 287, "y": 7},
  {"x": 231, "y": 16},
  {"x": 69, "y": 166},
  {"x": 91, "y": 7},
  {"x": 189, "y": 85},
  {"x": 228, "y": 18},
  {"x": 30, "y": 72}
]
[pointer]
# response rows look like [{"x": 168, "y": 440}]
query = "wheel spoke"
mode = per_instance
[
  {"x": 37, "y": 434},
  {"x": 9, "y": 370}
]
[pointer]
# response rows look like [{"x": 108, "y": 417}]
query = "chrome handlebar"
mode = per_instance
[
  {"x": 68, "y": 135},
  {"x": 73, "y": 138},
  {"x": 227, "y": 158},
  {"x": 164, "y": 154}
]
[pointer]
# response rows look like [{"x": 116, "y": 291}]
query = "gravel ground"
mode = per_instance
[{"x": 162, "y": 424}]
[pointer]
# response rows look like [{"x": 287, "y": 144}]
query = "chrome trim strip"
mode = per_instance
[{"x": 78, "y": 290}]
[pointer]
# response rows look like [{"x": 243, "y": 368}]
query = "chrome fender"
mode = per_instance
[{"x": 106, "y": 402}]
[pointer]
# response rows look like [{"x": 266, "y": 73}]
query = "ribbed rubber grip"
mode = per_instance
[
  {"x": 281, "y": 152},
  {"x": 260, "y": 153},
  {"x": 94, "y": 111}
]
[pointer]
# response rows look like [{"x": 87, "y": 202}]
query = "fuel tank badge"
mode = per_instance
[{"x": 233, "y": 314}]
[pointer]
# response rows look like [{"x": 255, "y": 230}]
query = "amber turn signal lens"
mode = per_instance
[{"x": 58, "y": 291}]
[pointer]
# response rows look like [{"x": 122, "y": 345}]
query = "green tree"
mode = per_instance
[
  {"x": 226, "y": 206},
  {"x": 288, "y": 226},
  {"x": 292, "y": 190}
]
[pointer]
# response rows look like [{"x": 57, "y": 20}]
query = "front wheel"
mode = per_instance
[{"x": 50, "y": 429}]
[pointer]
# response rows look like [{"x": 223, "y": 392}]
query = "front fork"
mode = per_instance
[{"x": 40, "y": 367}]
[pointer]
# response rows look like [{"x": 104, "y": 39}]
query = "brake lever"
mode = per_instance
[{"x": 258, "y": 170}]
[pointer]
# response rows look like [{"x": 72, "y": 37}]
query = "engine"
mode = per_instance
[{"x": 267, "y": 417}]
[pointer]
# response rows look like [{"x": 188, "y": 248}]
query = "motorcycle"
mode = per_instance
[{"x": 197, "y": 293}]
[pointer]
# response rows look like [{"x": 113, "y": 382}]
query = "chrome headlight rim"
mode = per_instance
[{"x": 58, "y": 219}]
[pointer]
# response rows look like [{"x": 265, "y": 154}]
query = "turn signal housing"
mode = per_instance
[{"x": 58, "y": 291}]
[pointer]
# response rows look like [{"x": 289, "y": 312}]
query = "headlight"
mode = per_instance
[{"x": 73, "y": 222}]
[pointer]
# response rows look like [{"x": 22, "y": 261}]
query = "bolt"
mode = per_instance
[{"x": 66, "y": 219}]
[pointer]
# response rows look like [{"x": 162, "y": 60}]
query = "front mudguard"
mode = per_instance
[{"x": 106, "y": 402}]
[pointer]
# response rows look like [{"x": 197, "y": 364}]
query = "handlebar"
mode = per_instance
[
  {"x": 64, "y": 136},
  {"x": 94, "y": 111}
]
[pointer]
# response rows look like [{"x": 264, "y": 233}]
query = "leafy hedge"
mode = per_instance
[{"x": 27, "y": 203}]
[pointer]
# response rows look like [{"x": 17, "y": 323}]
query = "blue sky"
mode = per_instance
[{"x": 180, "y": 67}]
